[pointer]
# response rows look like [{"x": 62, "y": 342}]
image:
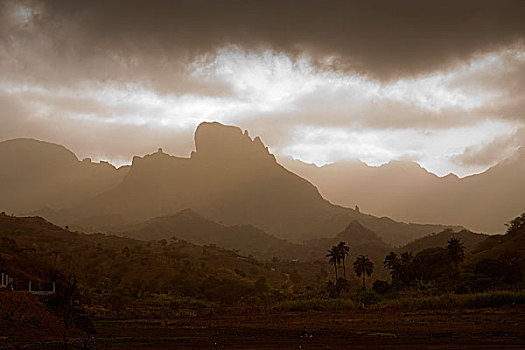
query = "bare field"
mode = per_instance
[{"x": 368, "y": 329}]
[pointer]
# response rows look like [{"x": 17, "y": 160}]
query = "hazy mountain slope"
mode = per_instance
[
  {"x": 468, "y": 238},
  {"x": 33, "y": 249},
  {"x": 233, "y": 180},
  {"x": 512, "y": 243},
  {"x": 36, "y": 174},
  {"x": 407, "y": 192},
  {"x": 190, "y": 226}
]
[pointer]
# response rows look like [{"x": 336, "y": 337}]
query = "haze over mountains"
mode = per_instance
[
  {"x": 405, "y": 191},
  {"x": 36, "y": 174},
  {"x": 230, "y": 178},
  {"x": 189, "y": 226}
]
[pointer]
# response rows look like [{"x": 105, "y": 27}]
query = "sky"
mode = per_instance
[{"x": 438, "y": 83}]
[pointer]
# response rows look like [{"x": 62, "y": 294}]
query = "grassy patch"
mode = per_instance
[
  {"x": 451, "y": 301},
  {"x": 316, "y": 305}
]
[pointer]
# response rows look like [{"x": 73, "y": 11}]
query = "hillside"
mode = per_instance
[
  {"x": 190, "y": 226},
  {"x": 407, "y": 192},
  {"x": 498, "y": 246},
  {"x": 33, "y": 249},
  {"x": 36, "y": 174},
  {"x": 469, "y": 239},
  {"x": 231, "y": 179}
]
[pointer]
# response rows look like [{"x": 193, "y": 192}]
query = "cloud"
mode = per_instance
[
  {"x": 94, "y": 75},
  {"x": 493, "y": 151},
  {"x": 433, "y": 149},
  {"x": 380, "y": 38},
  {"x": 98, "y": 140},
  {"x": 276, "y": 97}
]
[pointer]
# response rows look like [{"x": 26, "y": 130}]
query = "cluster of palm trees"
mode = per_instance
[
  {"x": 403, "y": 268},
  {"x": 406, "y": 268},
  {"x": 362, "y": 265}
]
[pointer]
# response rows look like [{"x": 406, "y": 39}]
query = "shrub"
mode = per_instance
[
  {"x": 381, "y": 287},
  {"x": 367, "y": 297}
]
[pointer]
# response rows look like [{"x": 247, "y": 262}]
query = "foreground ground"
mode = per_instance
[{"x": 368, "y": 329}]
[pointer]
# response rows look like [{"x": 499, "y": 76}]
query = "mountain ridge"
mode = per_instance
[
  {"x": 35, "y": 174},
  {"x": 232, "y": 179},
  {"x": 408, "y": 192}
]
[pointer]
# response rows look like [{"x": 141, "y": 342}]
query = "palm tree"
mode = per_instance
[
  {"x": 392, "y": 263},
  {"x": 406, "y": 257},
  {"x": 405, "y": 268},
  {"x": 456, "y": 251},
  {"x": 363, "y": 266},
  {"x": 391, "y": 260},
  {"x": 334, "y": 256},
  {"x": 344, "y": 250}
]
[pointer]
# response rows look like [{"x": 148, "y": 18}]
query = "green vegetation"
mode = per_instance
[
  {"x": 108, "y": 277},
  {"x": 455, "y": 301}
]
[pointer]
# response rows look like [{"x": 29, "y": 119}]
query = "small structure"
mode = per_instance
[
  {"x": 6, "y": 281},
  {"x": 41, "y": 292}
]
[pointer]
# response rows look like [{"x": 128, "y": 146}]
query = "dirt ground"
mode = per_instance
[{"x": 465, "y": 329}]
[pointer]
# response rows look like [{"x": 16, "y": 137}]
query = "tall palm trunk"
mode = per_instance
[
  {"x": 364, "y": 287},
  {"x": 335, "y": 267},
  {"x": 344, "y": 268}
]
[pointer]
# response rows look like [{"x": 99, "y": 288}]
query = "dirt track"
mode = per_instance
[{"x": 468, "y": 329}]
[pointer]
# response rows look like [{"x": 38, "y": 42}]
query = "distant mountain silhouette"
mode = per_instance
[
  {"x": 405, "y": 191},
  {"x": 230, "y": 178},
  {"x": 36, "y": 174},
  {"x": 190, "y": 226},
  {"x": 233, "y": 179},
  {"x": 357, "y": 234},
  {"x": 468, "y": 238}
]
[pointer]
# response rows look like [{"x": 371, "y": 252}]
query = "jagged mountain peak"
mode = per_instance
[
  {"x": 217, "y": 141},
  {"x": 356, "y": 233}
]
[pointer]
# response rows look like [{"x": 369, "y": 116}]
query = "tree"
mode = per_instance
[
  {"x": 406, "y": 258},
  {"x": 69, "y": 306},
  {"x": 363, "y": 267},
  {"x": 344, "y": 250},
  {"x": 516, "y": 225},
  {"x": 391, "y": 261},
  {"x": 456, "y": 251},
  {"x": 333, "y": 254}
]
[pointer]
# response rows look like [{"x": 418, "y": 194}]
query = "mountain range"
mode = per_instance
[
  {"x": 407, "y": 192},
  {"x": 189, "y": 226},
  {"x": 230, "y": 178}
]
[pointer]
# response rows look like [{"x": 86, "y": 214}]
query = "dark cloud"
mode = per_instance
[{"x": 382, "y": 38}]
